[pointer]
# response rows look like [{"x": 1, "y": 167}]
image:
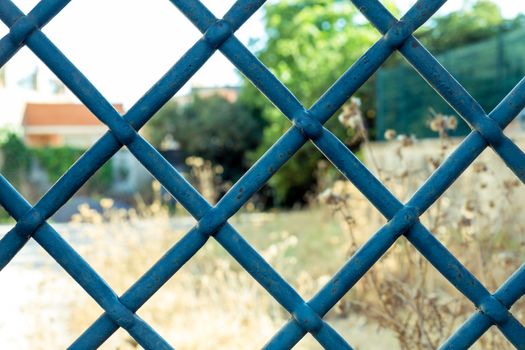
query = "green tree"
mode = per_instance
[
  {"x": 56, "y": 161},
  {"x": 16, "y": 158},
  {"x": 211, "y": 128},
  {"x": 476, "y": 21},
  {"x": 309, "y": 44}
]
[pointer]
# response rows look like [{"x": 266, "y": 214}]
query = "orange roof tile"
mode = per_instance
[{"x": 47, "y": 114}]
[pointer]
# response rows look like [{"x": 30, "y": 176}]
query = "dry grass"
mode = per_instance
[
  {"x": 211, "y": 303},
  {"x": 479, "y": 220}
]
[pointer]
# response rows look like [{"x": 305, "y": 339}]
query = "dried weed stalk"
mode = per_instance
[{"x": 402, "y": 292}]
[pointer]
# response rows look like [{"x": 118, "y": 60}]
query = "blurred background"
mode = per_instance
[{"x": 308, "y": 220}]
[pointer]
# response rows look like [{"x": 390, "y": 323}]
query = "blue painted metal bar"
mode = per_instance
[
  {"x": 510, "y": 292},
  {"x": 432, "y": 249},
  {"x": 234, "y": 193},
  {"x": 80, "y": 270},
  {"x": 23, "y": 26},
  {"x": 55, "y": 56},
  {"x": 450, "y": 89},
  {"x": 307, "y": 125}
]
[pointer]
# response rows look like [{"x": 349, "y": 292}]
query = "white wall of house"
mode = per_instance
[{"x": 129, "y": 176}]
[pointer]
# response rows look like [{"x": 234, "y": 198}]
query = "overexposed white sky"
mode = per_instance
[{"x": 125, "y": 46}]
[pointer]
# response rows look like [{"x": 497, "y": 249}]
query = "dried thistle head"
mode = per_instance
[
  {"x": 406, "y": 141},
  {"x": 351, "y": 116},
  {"x": 479, "y": 167},
  {"x": 329, "y": 197},
  {"x": 510, "y": 184},
  {"x": 438, "y": 123},
  {"x": 442, "y": 124},
  {"x": 196, "y": 162},
  {"x": 452, "y": 122},
  {"x": 390, "y": 134}
]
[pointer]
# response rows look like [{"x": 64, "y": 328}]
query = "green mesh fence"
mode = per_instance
[{"x": 488, "y": 70}]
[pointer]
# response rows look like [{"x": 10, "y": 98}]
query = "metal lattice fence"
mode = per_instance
[
  {"x": 405, "y": 107},
  {"x": 306, "y": 316}
]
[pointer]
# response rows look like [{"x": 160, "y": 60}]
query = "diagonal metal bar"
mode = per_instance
[
  {"x": 82, "y": 272},
  {"x": 403, "y": 219},
  {"x": 23, "y": 26},
  {"x": 477, "y": 324},
  {"x": 448, "y": 87},
  {"x": 109, "y": 144},
  {"x": 326, "y": 335},
  {"x": 419, "y": 236},
  {"x": 210, "y": 20}
]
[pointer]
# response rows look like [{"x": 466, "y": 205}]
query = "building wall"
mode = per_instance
[
  {"x": 55, "y": 136},
  {"x": 41, "y": 140}
]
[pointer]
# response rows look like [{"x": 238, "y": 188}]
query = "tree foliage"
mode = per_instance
[
  {"x": 56, "y": 161},
  {"x": 476, "y": 21},
  {"x": 309, "y": 44},
  {"x": 211, "y": 128},
  {"x": 16, "y": 157}
]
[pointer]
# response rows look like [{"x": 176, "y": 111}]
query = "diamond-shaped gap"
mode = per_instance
[
  {"x": 314, "y": 45},
  {"x": 48, "y": 128},
  {"x": 188, "y": 117},
  {"x": 210, "y": 133},
  {"x": 206, "y": 104},
  {"x": 407, "y": 108},
  {"x": 213, "y": 303},
  {"x": 310, "y": 242},
  {"x": 403, "y": 302},
  {"x": 38, "y": 300},
  {"x": 404, "y": 162},
  {"x": 127, "y": 50},
  {"x": 493, "y": 339},
  {"x": 122, "y": 228},
  {"x": 478, "y": 219}
]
